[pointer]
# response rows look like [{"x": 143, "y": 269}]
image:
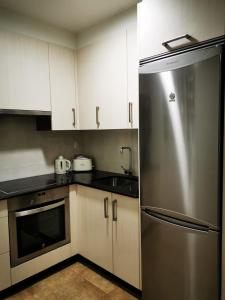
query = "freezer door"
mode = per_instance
[
  {"x": 179, "y": 136},
  {"x": 178, "y": 263}
]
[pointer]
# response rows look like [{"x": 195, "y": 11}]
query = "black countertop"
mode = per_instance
[{"x": 12, "y": 188}]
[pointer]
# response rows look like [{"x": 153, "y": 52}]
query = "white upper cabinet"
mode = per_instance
[
  {"x": 102, "y": 82},
  {"x": 24, "y": 73},
  {"x": 113, "y": 83},
  {"x": 107, "y": 58},
  {"x": 132, "y": 74},
  {"x": 62, "y": 62},
  {"x": 160, "y": 21}
]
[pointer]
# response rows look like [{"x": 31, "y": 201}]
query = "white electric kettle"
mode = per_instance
[{"x": 62, "y": 165}]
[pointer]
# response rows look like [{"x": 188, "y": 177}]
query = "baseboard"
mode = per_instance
[
  {"x": 56, "y": 268},
  {"x": 119, "y": 282}
]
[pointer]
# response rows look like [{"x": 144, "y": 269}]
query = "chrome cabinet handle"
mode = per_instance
[
  {"x": 74, "y": 117},
  {"x": 114, "y": 210},
  {"x": 97, "y": 117},
  {"x": 106, "y": 207},
  {"x": 131, "y": 113},
  {"x": 185, "y": 36}
]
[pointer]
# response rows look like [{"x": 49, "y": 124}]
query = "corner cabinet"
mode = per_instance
[
  {"x": 5, "y": 277},
  {"x": 24, "y": 73},
  {"x": 160, "y": 21},
  {"x": 109, "y": 232},
  {"x": 62, "y": 63}
]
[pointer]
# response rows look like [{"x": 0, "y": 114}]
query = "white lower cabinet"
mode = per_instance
[
  {"x": 104, "y": 228},
  {"x": 74, "y": 220},
  {"x": 40, "y": 263},
  {"x": 95, "y": 227},
  {"x": 4, "y": 244},
  {"x": 126, "y": 250},
  {"x": 5, "y": 278},
  {"x": 109, "y": 232}
]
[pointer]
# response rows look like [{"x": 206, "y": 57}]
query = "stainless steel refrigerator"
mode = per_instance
[{"x": 181, "y": 116}]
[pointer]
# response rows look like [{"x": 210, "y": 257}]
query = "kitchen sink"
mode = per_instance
[{"x": 115, "y": 181}]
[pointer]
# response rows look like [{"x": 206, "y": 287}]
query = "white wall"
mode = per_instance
[
  {"x": 19, "y": 23},
  {"x": 124, "y": 21}
]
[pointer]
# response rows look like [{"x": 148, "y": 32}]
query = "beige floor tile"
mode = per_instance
[
  {"x": 76, "y": 282},
  {"x": 98, "y": 281},
  {"x": 118, "y": 294}
]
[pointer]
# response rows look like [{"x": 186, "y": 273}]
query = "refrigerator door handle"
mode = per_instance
[{"x": 176, "y": 222}]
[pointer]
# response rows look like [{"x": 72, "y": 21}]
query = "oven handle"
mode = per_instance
[{"x": 38, "y": 210}]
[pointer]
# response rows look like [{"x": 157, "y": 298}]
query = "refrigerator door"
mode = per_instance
[
  {"x": 178, "y": 262},
  {"x": 180, "y": 135}
]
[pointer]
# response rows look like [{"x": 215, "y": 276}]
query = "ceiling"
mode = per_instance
[{"x": 73, "y": 15}]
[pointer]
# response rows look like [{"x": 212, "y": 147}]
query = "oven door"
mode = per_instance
[{"x": 38, "y": 230}]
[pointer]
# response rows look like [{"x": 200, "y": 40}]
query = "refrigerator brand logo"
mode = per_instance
[{"x": 172, "y": 97}]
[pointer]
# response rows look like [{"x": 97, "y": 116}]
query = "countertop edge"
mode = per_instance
[{"x": 69, "y": 181}]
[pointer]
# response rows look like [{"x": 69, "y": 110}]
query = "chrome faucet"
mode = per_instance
[{"x": 129, "y": 170}]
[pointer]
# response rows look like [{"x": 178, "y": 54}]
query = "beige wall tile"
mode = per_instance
[
  {"x": 25, "y": 152},
  {"x": 105, "y": 145}
]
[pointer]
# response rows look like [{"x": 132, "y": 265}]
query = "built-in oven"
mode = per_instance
[{"x": 38, "y": 223}]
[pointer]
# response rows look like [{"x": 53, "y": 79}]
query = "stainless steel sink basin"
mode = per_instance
[{"x": 114, "y": 181}]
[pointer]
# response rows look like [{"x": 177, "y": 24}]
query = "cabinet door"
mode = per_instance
[
  {"x": 95, "y": 226},
  {"x": 132, "y": 75},
  {"x": 126, "y": 239},
  {"x": 5, "y": 279},
  {"x": 102, "y": 80},
  {"x": 63, "y": 88},
  {"x": 160, "y": 21},
  {"x": 4, "y": 229},
  {"x": 24, "y": 73},
  {"x": 3, "y": 208},
  {"x": 74, "y": 216}
]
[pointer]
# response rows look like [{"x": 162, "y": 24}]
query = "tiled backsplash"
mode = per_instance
[
  {"x": 25, "y": 152},
  {"x": 105, "y": 145}
]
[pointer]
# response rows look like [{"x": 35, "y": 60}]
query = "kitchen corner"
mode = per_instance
[{"x": 112, "y": 149}]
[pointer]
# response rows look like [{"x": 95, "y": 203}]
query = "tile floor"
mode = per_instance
[{"x": 76, "y": 282}]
